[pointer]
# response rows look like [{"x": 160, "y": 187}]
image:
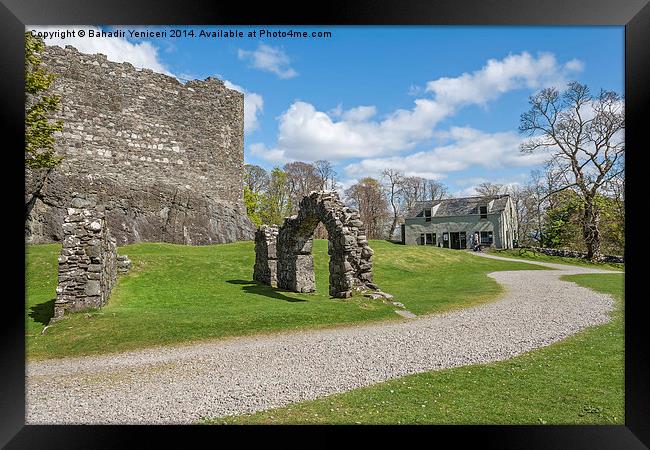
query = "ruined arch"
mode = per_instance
[{"x": 284, "y": 258}]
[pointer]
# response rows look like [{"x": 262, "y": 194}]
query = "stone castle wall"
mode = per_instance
[{"x": 166, "y": 158}]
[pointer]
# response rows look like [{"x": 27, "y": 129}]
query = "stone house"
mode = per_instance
[{"x": 451, "y": 223}]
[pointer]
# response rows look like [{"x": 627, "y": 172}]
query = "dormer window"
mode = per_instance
[
  {"x": 483, "y": 212},
  {"x": 427, "y": 215}
]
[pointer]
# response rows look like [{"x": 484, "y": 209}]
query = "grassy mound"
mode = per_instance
[{"x": 177, "y": 293}]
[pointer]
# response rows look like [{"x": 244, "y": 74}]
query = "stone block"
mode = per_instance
[{"x": 93, "y": 287}]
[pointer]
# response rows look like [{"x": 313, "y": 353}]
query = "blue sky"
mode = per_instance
[{"x": 433, "y": 101}]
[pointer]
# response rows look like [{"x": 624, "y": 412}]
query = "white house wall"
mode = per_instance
[{"x": 469, "y": 224}]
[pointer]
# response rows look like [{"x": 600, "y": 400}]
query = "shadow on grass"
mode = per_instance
[
  {"x": 252, "y": 287},
  {"x": 43, "y": 312}
]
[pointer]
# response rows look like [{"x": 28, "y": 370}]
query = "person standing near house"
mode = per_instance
[{"x": 477, "y": 242}]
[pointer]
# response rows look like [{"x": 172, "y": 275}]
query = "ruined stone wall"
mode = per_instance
[
  {"x": 266, "y": 260},
  {"x": 283, "y": 255},
  {"x": 350, "y": 264},
  {"x": 88, "y": 262},
  {"x": 165, "y": 158}
]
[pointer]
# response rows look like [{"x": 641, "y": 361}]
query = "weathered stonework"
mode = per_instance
[
  {"x": 576, "y": 254},
  {"x": 164, "y": 158},
  {"x": 88, "y": 262},
  {"x": 350, "y": 255},
  {"x": 123, "y": 264},
  {"x": 266, "y": 261}
]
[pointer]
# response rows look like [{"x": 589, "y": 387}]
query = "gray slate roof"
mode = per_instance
[{"x": 460, "y": 206}]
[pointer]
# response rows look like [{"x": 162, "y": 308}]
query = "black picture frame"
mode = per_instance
[{"x": 633, "y": 14}]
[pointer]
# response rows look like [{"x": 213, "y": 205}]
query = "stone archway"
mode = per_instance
[{"x": 289, "y": 263}]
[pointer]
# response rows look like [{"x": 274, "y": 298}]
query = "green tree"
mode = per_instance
[
  {"x": 252, "y": 200},
  {"x": 275, "y": 204},
  {"x": 39, "y": 130},
  {"x": 612, "y": 224},
  {"x": 562, "y": 222}
]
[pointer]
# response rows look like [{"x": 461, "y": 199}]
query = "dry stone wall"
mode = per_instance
[
  {"x": 88, "y": 262},
  {"x": 576, "y": 254},
  {"x": 166, "y": 159}
]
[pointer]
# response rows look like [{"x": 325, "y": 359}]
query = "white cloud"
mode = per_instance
[
  {"x": 142, "y": 55},
  {"x": 466, "y": 192},
  {"x": 336, "y": 112},
  {"x": 472, "y": 183},
  {"x": 305, "y": 133},
  {"x": 272, "y": 155},
  {"x": 415, "y": 90},
  {"x": 575, "y": 65},
  {"x": 500, "y": 76},
  {"x": 253, "y": 106},
  {"x": 359, "y": 114},
  {"x": 470, "y": 148},
  {"x": 269, "y": 59}
]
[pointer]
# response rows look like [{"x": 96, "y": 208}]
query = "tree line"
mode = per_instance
[
  {"x": 383, "y": 202},
  {"x": 576, "y": 201}
]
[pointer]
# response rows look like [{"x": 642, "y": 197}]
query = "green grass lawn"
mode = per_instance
[
  {"x": 528, "y": 254},
  {"x": 577, "y": 381},
  {"x": 175, "y": 294}
]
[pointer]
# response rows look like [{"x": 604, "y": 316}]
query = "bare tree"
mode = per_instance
[
  {"x": 537, "y": 191},
  {"x": 435, "y": 190},
  {"x": 584, "y": 136},
  {"x": 412, "y": 191},
  {"x": 256, "y": 178},
  {"x": 327, "y": 174},
  {"x": 488, "y": 189},
  {"x": 529, "y": 202},
  {"x": 368, "y": 198},
  {"x": 519, "y": 196},
  {"x": 393, "y": 179},
  {"x": 302, "y": 178}
]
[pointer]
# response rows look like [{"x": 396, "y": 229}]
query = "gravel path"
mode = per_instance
[{"x": 185, "y": 383}]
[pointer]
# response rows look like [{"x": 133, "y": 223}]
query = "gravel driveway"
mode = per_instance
[{"x": 182, "y": 384}]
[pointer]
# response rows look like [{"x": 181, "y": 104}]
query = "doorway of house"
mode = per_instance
[
  {"x": 458, "y": 240},
  {"x": 455, "y": 240}
]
